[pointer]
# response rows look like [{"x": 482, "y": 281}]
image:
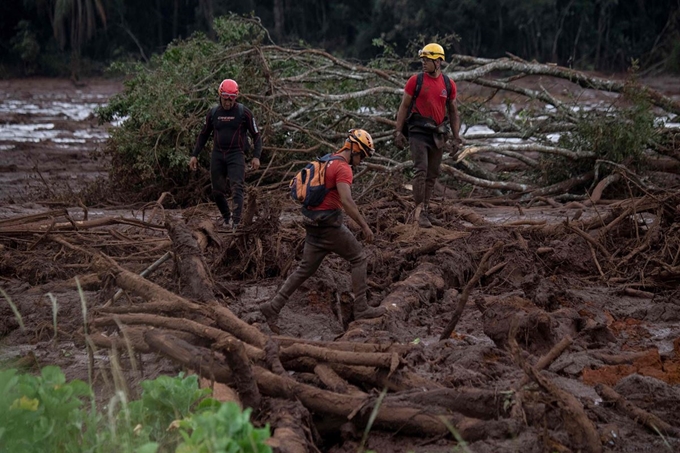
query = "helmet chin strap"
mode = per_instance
[
  {"x": 352, "y": 153},
  {"x": 436, "y": 68}
]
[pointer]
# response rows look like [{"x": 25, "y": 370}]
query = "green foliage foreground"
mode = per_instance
[{"x": 47, "y": 414}]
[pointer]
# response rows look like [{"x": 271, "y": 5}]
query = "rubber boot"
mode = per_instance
[
  {"x": 423, "y": 221},
  {"x": 363, "y": 311},
  {"x": 271, "y": 311}
]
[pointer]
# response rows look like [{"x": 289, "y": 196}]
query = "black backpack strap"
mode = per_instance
[
  {"x": 212, "y": 114},
  {"x": 449, "y": 87},
  {"x": 419, "y": 85}
]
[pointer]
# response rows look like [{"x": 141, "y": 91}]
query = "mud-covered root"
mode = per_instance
[
  {"x": 544, "y": 362},
  {"x": 584, "y": 434},
  {"x": 462, "y": 300},
  {"x": 535, "y": 328},
  {"x": 647, "y": 419}
]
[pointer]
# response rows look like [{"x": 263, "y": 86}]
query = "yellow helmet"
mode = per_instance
[
  {"x": 433, "y": 51},
  {"x": 363, "y": 139}
]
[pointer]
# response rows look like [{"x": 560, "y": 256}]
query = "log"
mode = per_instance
[
  {"x": 77, "y": 226},
  {"x": 133, "y": 338},
  {"x": 620, "y": 359},
  {"x": 378, "y": 359},
  {"x": 271, "y": 352},
  {"x": 477, "y": 403},
  {"x": 195, "y": 280},
  {"x": 153, "y": 306},
  {"x": 201, "y": 360},
  {"x": 334, "y": 382},
  {"x": 468, "y": 215},
  {"x": 347, "y": 345},
  {"x": 239, "y": 364},
  {"x": 182, "y": 324},
  {"x": 88, "y": 282},
  {"x": 146, "y": 272},
  {"x": 400, "y": 380},
  {"x": 391, "y": 417},
  {"x": 290, "y": 422},
  {"x": 224, "y": 317},
  {"x": 33, "y": 217},
  {"x": 422, "y": 284}
]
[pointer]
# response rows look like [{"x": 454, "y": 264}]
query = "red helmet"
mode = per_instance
[{"x": 228, "y": 89}]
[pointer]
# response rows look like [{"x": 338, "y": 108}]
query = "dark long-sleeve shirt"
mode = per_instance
[{"x": 229, "y": 128}]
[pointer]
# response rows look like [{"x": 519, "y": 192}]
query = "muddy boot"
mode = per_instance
[
  {"x": 363, "y": 311},
  {"x": 271, "y": 311},
  {"x": 423, "y": 221}
]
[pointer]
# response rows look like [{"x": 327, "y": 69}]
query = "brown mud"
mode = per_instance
[{"x": 568, "y": 289}]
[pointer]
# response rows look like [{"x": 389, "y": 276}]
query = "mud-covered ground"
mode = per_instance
[{"x": 615, "y": 296}]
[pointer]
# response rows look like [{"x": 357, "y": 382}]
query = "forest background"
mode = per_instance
[{"x": 82, "y": 37}]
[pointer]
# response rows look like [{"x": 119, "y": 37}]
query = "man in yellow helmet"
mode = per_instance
[
  {"x": 429, "y": 115},
  {"x": 326, "y": 232}
]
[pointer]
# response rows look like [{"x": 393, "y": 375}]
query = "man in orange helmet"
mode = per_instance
[
  {"x": 228, "y": 123},
  {"x": 429, "y": 114},
  {"x": 326, "y": 231}
]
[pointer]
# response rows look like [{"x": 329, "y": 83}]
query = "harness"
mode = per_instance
[{"x": 416, "y": 119}]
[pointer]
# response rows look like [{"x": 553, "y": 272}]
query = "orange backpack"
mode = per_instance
[{"x": 308, "y": 187}]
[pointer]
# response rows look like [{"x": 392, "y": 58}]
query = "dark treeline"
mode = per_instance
[{"x": 57, "y": 37}]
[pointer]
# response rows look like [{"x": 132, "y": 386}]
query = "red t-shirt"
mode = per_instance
[
  {"x": 431, "y": 101},
  {"x": 337, "y": 170}
]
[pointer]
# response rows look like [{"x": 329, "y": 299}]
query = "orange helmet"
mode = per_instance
[
  {"x": 363, "y": 140},
  {"x": 228, "y": 89}
]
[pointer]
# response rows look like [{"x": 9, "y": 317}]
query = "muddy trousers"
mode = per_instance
[
  {"x": 319, "y": 242},
  {"x": 228, "y": 168},
  {"x": 427, "y": 159}
]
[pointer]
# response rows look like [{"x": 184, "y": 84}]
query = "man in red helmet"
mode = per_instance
[
  {"x": 326, "y": 231},
  {"x": 428, "y": 108},
  {"x": 228, "y": 122}
]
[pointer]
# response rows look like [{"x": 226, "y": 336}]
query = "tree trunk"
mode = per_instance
[{"x": 279, "y": 18}]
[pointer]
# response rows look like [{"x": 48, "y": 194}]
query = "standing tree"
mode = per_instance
[{"x": 76, "y": 19}]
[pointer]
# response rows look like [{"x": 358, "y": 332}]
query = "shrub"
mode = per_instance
[
  {"x": 618, "y": 135},
  {"x": 45, "y": 413}
]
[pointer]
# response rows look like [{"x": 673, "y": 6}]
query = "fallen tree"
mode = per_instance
[{"x": 531, "y": 141}]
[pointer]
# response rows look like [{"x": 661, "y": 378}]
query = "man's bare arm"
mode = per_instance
[{"x": 350, "y": 207}]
